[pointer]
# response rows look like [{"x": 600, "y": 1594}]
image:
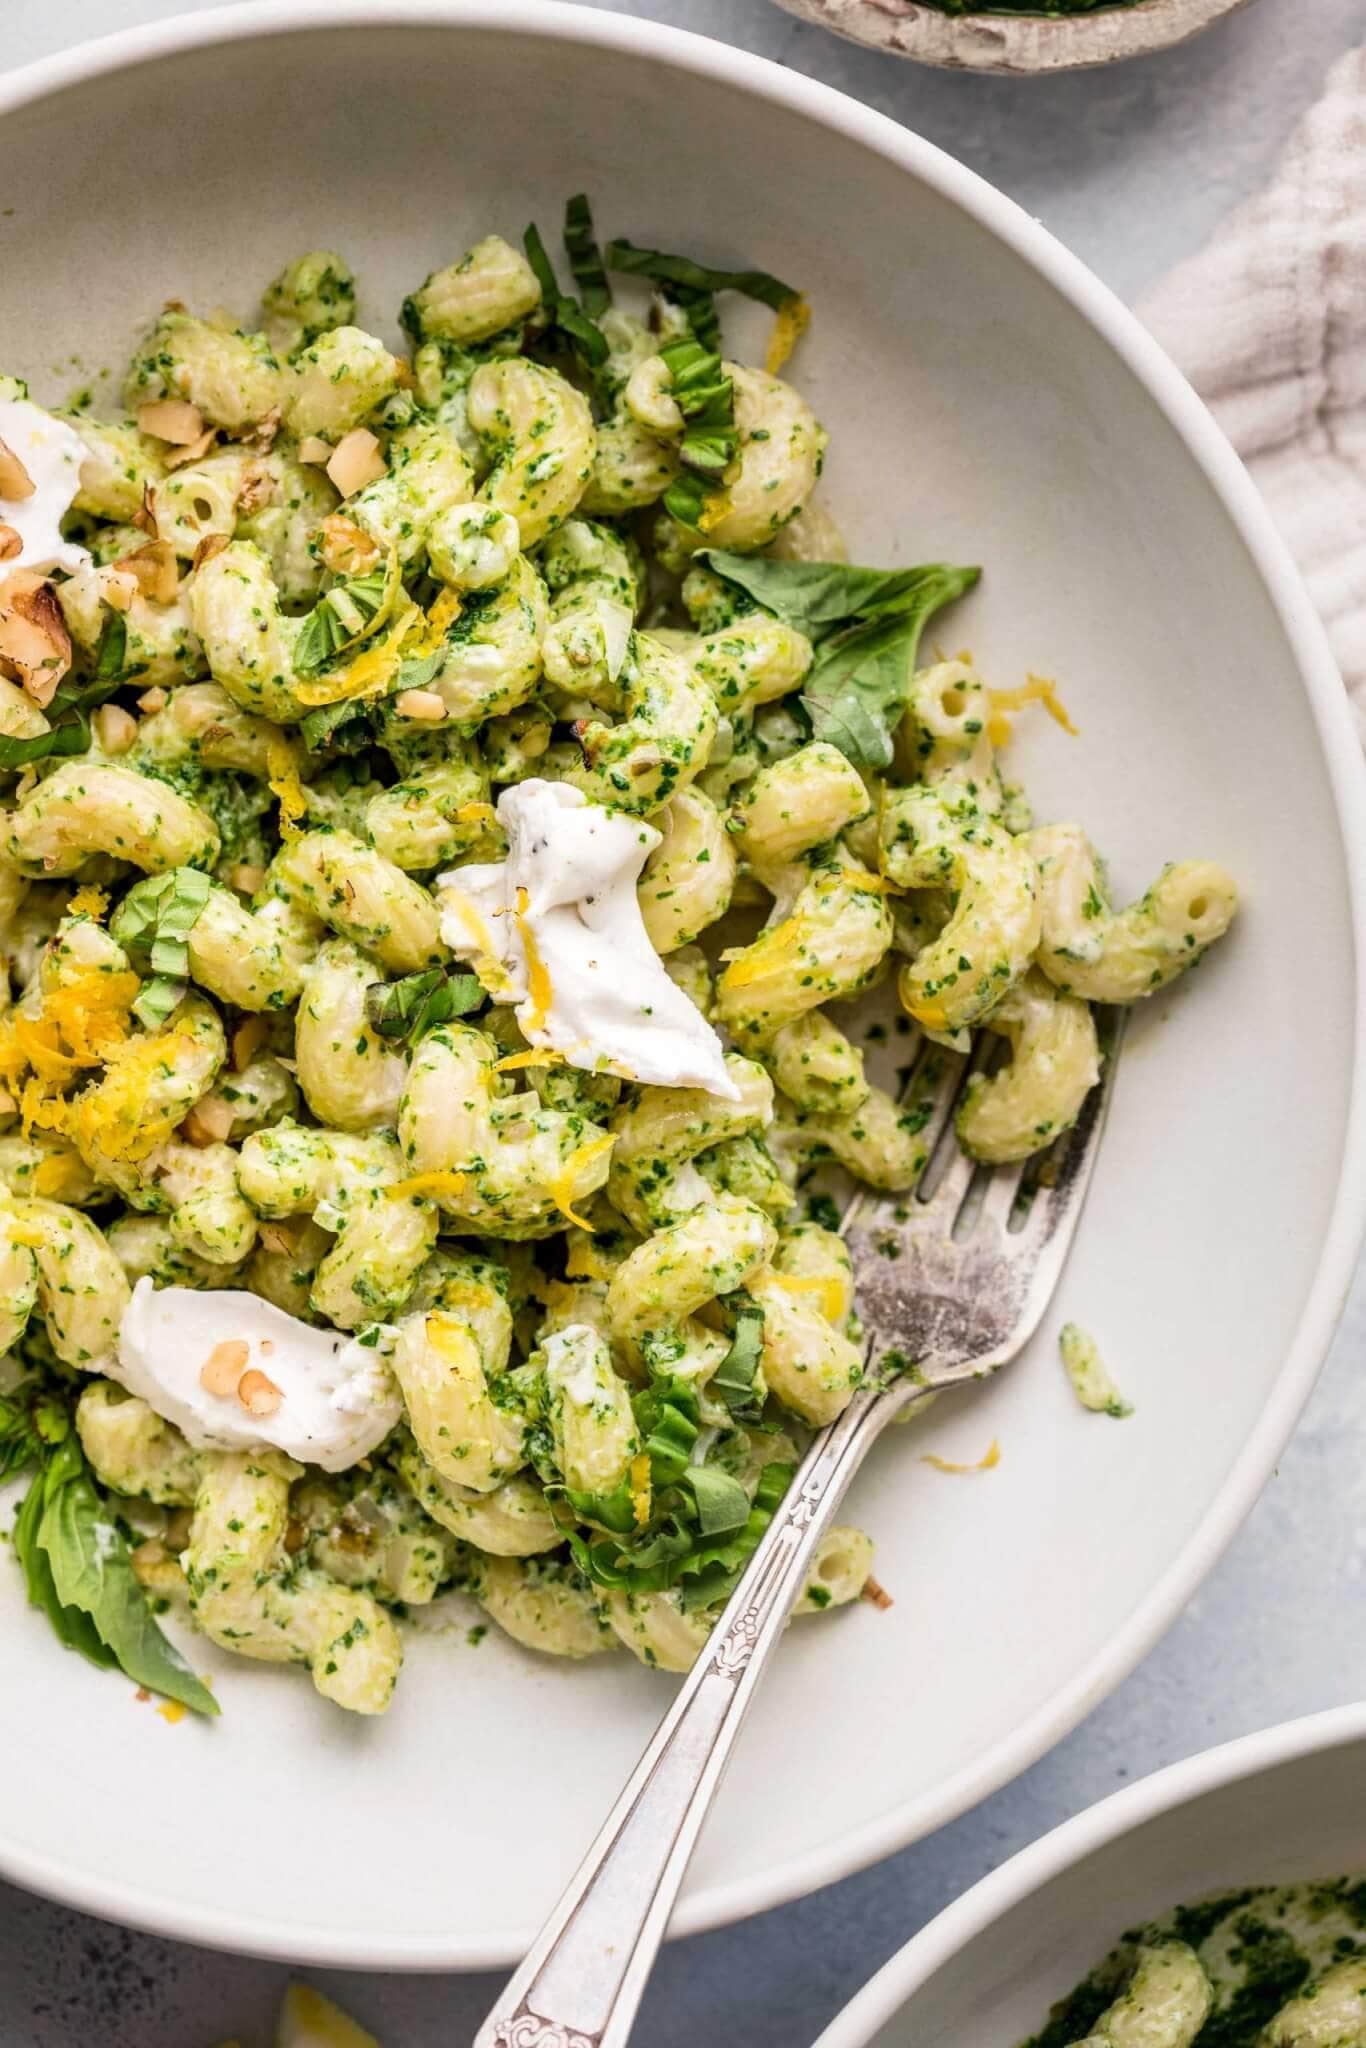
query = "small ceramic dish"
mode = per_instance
[
  {"x": 1286, "y": 1806},
  {"x": 1016, "y": 45}
]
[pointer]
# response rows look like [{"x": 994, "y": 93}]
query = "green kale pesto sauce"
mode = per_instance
[{"x": 1259, "y": 1948}]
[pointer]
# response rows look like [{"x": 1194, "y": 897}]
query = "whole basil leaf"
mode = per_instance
[
  {"x": 582, "y": 335},
  {"x": 93, "y": 1578},
  {"x": 865, "y": 625},
  {"x": 693, "y": 286},
  {"x": 721, "y": 1501}
]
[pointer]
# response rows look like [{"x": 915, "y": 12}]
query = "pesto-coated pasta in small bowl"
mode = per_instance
[
  {"x": 1218, "y": 1904},
  {"x": 533, "y": 714}
]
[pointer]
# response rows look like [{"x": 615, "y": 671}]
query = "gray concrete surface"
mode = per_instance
[{"x": 1132, "y": 169}]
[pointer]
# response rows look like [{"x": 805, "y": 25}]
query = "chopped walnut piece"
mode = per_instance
[
  {"x": 346, "y": 549},
  {"x": 35, "y": 647},
  {"x": 15, "y": 481},
  {"x": 222, "y": 1370},
  {"x": 156, "y": 570},
  {"x": 423, "y": 704},
  {"x": 256, "y": 489},
  {"x": 313, "y": 449},
  {"x": 193, "y": 451},
  {"x": 258, "y": 1395},
  {"x": 209, "y": 1122},
  {"x": 356, "y": 461},
  {"x": 11, "y": 543},
  {"x": 875, "y": 1593},
  {"x": 211, "y": 545},
  {"x": 115, "y": 728},
  {"x": 261, "y": 437},
  {"x": 171, "y": 419}
]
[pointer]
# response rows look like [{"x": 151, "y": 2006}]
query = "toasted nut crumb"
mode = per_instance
[
  {"x": 15, "y": 481},
  {"x": 276, "y": 1238},
  {"x": 156, "y": 570},
  {"x": 249, "y": 1036},
  {"x": 35, "y": 647},
  {"x": 193, "y": 451},
  {"x": 314, "y": 449},
  {"x": 295, "y": 1536},
  {"x": 153, "y": 700},
  {"x": 115, "y": 728},
  {"x": 258, "y": 1395},
  {"x": 347, "y": 550},
  {"x": 171, "y": 419},
  {"x": 211, "y": 545},
  {"x": 11, "y": 543},
  {"x": 262, "y": 435},
  {"x": 248, "y": 877},
  {"x": 256, "y": 489},
  {"x": 209, "y": 1122},
  {"x": 118, "y": 588},
  {"x": 267, "y": 1347},
  {"x": 875, "y": 1593},
  {"x": 420, "y": 704},
  {"x": 145, "y": 518},
  {"x": 222, "y": 1370},
  {"x": 356, "y": 461}
]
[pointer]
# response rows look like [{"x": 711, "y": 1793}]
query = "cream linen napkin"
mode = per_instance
[{"x": 1269, "y": 324}]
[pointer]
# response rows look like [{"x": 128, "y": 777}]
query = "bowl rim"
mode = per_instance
[
  {"x": 1014, "y": 46},
  {"x": 974, "y": 1912},
  {"x": 721, "y": 1903}
]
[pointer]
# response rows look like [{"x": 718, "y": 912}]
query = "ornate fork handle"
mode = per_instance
[{"x": 581, "y": 1984}]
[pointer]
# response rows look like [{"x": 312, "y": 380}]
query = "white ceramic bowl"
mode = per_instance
[
  {"x": 1276, "y": 1808},
  {"x": 988, "y": 401},
  {"x": 1016, "y": 45}
]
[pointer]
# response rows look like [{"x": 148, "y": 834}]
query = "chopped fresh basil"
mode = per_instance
[
  {"x": 585, "y": 257},
  {"x": 153, "y": 924},
  {"x": 706, "y": 398},
  {"x": 734, "y": 1380},
  {"x": 408, "y": 1008},
  {"x": 693, "y": 286},
  {"x": 567, "y": 319}
]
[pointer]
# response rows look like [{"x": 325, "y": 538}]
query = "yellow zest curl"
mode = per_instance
[{"x": 1038, "y": 690}]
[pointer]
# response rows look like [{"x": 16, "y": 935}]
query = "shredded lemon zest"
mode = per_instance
[
  {"x": 59, "y": 1175},
  {"x": 477, "y": 814},
  {"x": 562, "y": 1187},
  {"x": 932, "y": 1015},
  {"x": 863, "y": 878},
  {"x": 539, "y": 986},
  {"x": 493, "y": 976},
  {"x": 985, "y": 1464},
  {"x": 286, "y": 787},
  {"x": 172, "y": 1711},
  {"x": 444, "y": 612},
  {"x": 1037, "y": 690},
  {"x": 532, "y": 1057},
  {"x": 434, "y": 1185},
  {"x": 828, "y": 1286},
  {"x": 639, "y": 1473},
  {"x": 115, "y": 1117},
  {"x": 757, "y": 960},
  {"x": 373, "y": 669},
  {"x": 26, "y": 1234},
  {"x": 713, "y": 511},
  {"x": 88, "y": 901},
  {"x": 789, "y": 326}
]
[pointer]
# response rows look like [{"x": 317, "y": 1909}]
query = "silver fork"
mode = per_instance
[{"x": 953, "y": 1280}]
